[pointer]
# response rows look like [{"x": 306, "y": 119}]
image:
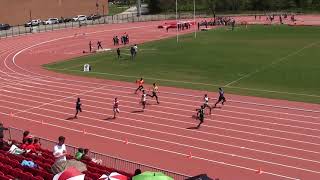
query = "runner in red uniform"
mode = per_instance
[
  {"x": 115, "y": 107},
  {"x": 140, "y": 82}
]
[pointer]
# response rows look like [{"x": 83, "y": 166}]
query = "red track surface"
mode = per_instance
[{"x": 280, "y": 137}]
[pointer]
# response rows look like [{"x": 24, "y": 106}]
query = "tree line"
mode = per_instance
[{"x": 157, "y": 6}]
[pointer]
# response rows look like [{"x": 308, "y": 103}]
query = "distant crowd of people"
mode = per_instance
[{"x": 124, "y": 39}]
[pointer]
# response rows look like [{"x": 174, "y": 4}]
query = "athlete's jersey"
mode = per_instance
[{"x": 144, "y": 97}]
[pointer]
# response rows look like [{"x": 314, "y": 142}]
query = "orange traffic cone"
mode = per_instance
[
  {"x": 259, "y": 171},
  {"x": 190, "y": 155},
  {"x": 126, "y": 141}
]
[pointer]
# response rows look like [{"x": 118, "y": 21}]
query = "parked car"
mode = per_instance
[
  {"x": 93, "y": 17},
  {"x": 4, "y": 26},
  {"x": 35, "y": 22},
  {"x": 64, "y": 20},
  {"x": 80, "y": 18},
  {"x": 51, "y": 21}
]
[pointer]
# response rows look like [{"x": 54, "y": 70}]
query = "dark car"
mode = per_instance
[
  {"x": 4, "y": 26},
  {"x": 93, "y": 17},
  {"x": 65, "y": 20}
]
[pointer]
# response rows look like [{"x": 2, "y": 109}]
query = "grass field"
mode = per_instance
[
  {"x": 116, "y": 9},
  {"x": 268, "y": 61}
]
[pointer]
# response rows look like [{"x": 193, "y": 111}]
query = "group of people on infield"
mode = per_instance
[{"x": 154, "y": 94}]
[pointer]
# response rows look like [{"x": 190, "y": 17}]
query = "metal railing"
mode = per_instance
[{"x": 108, "y": 161}]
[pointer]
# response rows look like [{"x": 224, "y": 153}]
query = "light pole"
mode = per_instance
[
  {"x": 103, "y": 15},
  {"x": 177, "y": 21},
  {"x": 194, "y": 18}
]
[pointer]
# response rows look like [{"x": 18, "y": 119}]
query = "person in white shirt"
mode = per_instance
[
  {"x": 135, "y": 49},
  {"x": 59, "y": 150},
  {"x": 143, "y": 99}
]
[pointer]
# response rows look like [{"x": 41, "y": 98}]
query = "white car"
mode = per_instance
[
  {"x": 51, "y": 21},
  {"x": 35, "y": 22},
  {"x": 80, "y": 18}
]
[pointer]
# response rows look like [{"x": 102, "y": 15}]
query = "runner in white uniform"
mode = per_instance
[
  {"x": 115, "y": 107},
  {"x": 143, "y": 99},
  {"x": 206, "y": 102}
]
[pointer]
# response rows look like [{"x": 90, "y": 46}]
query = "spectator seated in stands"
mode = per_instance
[
  {"x": 137, "y": 172},
  {"x": 79, "y": 154},
  {"x": 86, "y": 157},
  {"x": 26, "y": 136},
  {"x": 37, "y": 144},
  {"x": 59, "y": 150},
  {"x": 29, "y": 146}
]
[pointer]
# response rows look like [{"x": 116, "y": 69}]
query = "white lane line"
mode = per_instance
[
  {"x": 214, "y": 121},
  {"x": 174, "y": 143},
  {"x": 157, "y": 131},
  {"x": 266, "y": 122},
  {"x": 225, "y": 122},
  {"x": 165, "y": 125}
]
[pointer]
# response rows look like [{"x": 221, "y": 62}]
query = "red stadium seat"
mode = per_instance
[
  {"x": 38, "y": 178},
  {"x": 3, "y": 177}
]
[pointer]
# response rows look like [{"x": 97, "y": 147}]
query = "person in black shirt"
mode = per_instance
[
  {"x": 118, "y": 53},
  {"x": 221, "y": 97},
  {"x": 132, "y": 51},
  {"x": 90, "y": 46},
  {"x": 99, "y": 45},
  {"x": 200, "y": 115},
  {"x": 1, "y": 135},
  {"x": 78, "y": 108}
]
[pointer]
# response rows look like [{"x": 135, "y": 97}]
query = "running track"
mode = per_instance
[{"x": 280, "y": 137}]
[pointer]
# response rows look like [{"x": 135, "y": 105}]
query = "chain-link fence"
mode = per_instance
[{"x": 108, "y": 161}]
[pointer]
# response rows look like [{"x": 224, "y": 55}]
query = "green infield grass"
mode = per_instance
[{"x": 268, "y": 61}]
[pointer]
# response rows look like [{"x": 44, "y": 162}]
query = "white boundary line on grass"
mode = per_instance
[{"x": 272, "y": 64}]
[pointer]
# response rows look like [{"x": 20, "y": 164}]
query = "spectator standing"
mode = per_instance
[
  {"x": 59, "y": 150},
  {"x": 132, "y": 52},
  {"x": 135, "y": 49}
]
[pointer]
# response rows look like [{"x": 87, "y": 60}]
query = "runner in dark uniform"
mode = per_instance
[
  {"x": 200, "y": 115},
  {"x": 221, "y": 97},
  {"x": 78, "y": 108}
]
